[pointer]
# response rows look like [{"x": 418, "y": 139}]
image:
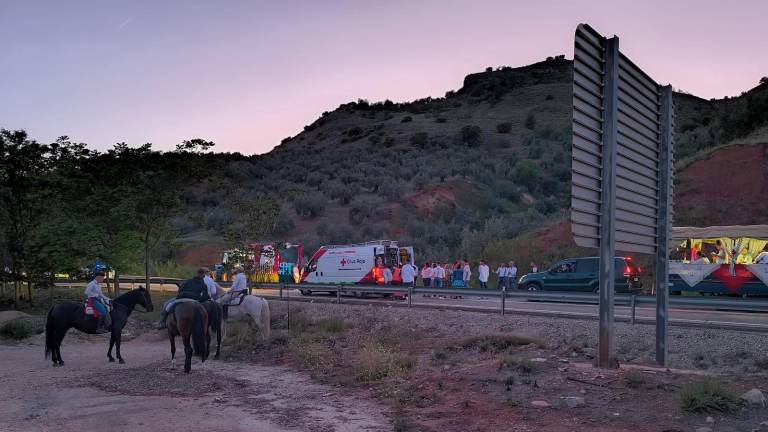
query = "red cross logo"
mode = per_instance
[{"x": 344, "y": 262}]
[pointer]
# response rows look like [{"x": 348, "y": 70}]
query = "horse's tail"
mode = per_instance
[
  {"x": 266, "y": 320},
  {"x": 199, "y": 329},
  {"x": 48, "y": 333}
]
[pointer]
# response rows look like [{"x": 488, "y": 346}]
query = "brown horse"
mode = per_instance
[{"x": 189, "y": 320}]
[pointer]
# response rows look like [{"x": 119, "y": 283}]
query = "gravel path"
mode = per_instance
[
  {"x": 689, "y": 348},
  {"x": 146, "y": 394}
]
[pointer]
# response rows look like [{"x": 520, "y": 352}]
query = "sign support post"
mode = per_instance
[
  {"x": 665, "y": 188},
  {"x": 608, "y": 209}
]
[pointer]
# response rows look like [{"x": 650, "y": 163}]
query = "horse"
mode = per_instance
[
  {"x": 64, "y": 316},
  {"x": 189, "y": 320},
  {"x": 215, "y": 320},
  {"x": 255, "y": 307}
]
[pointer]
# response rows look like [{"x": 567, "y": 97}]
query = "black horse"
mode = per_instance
[
  {"x": 189, "y": 320},
  {"x": 215, "y": 318},
  {"x": 64, "y": 316}
]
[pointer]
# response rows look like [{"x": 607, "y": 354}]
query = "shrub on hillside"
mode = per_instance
[
  {"x": 406, "y": 119},
  {"x": 504, "y": 127},
  {"x": 530, "y": 121},
  {"x": 470, "y": 135},
  {"x": 16, "y": 329},
  {"x": 310, "y": 205},
  {"x": 419, "y": 139},
  {"x": 526, "y": 173}
]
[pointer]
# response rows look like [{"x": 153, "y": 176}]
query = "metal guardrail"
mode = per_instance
[{"x": 630, "y": 300}]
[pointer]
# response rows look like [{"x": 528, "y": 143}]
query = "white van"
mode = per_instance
[{"x": 356, "y": 263}]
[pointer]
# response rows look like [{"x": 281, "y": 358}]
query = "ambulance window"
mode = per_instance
[{"x": 312, "y": 266}]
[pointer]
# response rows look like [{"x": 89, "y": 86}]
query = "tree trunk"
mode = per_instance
[
  {"x": 146, "y": 262},
  {"x": 29, "y": 292}
]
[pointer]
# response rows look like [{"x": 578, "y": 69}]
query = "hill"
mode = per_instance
[{"x": 463, "y": 174}]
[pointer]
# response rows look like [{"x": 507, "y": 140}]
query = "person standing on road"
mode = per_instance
[
  {"x": 534, "y": 267},
  {"x": 438, "y": 273},
  {"x": 512, "y": 275},
  {"x": 387, "y": 274},
  {"x": 483, "y": 271},
  {"x": 408, "y": 274},
  {"x": 466, "y": 273},
  {"x": 426, "y": 275},
  {"x": 501, "y": 272}
]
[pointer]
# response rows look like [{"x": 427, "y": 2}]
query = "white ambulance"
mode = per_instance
[{"x": 356, "y": 263}]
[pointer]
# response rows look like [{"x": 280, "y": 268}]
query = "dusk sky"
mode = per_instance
[{"x": 246, "y": 74}]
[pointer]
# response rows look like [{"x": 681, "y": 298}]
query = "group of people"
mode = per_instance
[
  {"x": 201, "y": 287},
  {"x": 719, "y": 255},
  {"x": 459, "y": 274}
]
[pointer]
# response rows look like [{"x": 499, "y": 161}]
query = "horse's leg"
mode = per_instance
[
  {"x": 117, "y": 347},
  {"x": 173, "y": 349},
  {"x": 111, "y": 343},
  {"x": 186, "y": 334},
  {"x": 218, "y": 340},
  {"x": 59, "y": 339}
]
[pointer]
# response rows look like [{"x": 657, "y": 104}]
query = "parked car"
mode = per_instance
[{"x": 581, "y": 274}]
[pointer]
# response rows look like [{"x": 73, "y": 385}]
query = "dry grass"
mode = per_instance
[
  {"x": 520, "y": 364},
  {"x": 708, "y": 396},
  {"x": 634, "y": 379},
  {"x": 376, "y": 361},
  {"x": 495, "y": 343},
  {"x": 16, "y": 329}
]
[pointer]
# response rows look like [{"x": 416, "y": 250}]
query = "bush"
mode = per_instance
[
  {"x": 406, "y": 119},
  {"x": 530, "y": 121},
  {"x": 504, "y": 127},
  {"x": 441, "y": 120},
  {"x": 310, "y": 205},
  {"x": 497, "y": 342},
  {"x": 376, "y": 362},
  {"x": 634, "y": 379},
  {"x": 522, "y": 365},
  {"x": 419, "y": 139},
  {"x": 708, "y": 396},
  {"x": 16, "y": 329},
  {"x": 470, "y": 135}
]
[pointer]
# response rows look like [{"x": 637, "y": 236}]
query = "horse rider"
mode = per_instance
[
  {"x": 213, "y": 287},
  {"x": 99, "y": 302},
  {"x": 194, "y": 288},
  {"x": 239, "y": 287}
]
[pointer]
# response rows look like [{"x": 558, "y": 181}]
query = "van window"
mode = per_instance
[
  {"x": 565, "y": 267},
  {"x": 589, "y": 265}
]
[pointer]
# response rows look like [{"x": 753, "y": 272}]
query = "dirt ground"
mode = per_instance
[{"x": 89, "y": 393}]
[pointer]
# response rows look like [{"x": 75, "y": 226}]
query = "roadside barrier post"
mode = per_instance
[
  {"x": 338, "y": 294},
  {"x": 503, "y": 298},
  {"x": 632, "y": 304},
  {"x": 280, "y": 290},
  {"x": 410, "y": 294}
]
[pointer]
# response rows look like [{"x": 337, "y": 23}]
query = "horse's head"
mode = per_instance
[{"x": 145, "y": 299}]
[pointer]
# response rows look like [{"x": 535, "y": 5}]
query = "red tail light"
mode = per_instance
[
  {"x": 627, "y": 269},
  {"x": 639, "y": 270}
]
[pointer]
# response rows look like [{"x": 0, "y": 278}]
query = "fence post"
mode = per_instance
[
  {"x": 338, "y": 294},
  {"x": 503, "y": 298},
  {"x": 410, "y": 294},
  {"x": 280, "y": 290},
  {"x": 632, "y": 303}
]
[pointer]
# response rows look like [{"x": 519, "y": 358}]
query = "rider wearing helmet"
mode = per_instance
[{"x": 98, "y": 302}]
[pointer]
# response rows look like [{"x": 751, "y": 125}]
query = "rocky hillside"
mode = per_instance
[{"x": 464, "y": 174}]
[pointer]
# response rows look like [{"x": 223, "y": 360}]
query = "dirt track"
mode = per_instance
[{"x": 89, "y": 393}]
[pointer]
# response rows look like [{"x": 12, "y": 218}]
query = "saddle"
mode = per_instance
[
  {"x": 90, "y": 310},
  {"x": 174, "y": 302},
  {"x": 225, "y": 306}
]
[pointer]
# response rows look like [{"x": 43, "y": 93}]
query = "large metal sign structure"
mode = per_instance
[{"x": 621, "y": 170}]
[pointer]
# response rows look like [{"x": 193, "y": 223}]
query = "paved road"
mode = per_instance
[{"x": 644, "y": 314}]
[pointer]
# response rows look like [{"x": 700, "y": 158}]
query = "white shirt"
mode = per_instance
[
  {"x": 408, "y": 273},
  {"x": 94, "y": 290},
  {"x": 387, "y": 273},
  {"x": 512, "y": 272},
  {"x": 212, "y": 291},
  {"x": 466, "y": 272},
  {"x": 239, "y": 283},
  {"x": 483, "y": 272},
  {"x": 501, "y": 271},
  {"x": 438, "y": 272},
  {"x": 762, "y": 258}
]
